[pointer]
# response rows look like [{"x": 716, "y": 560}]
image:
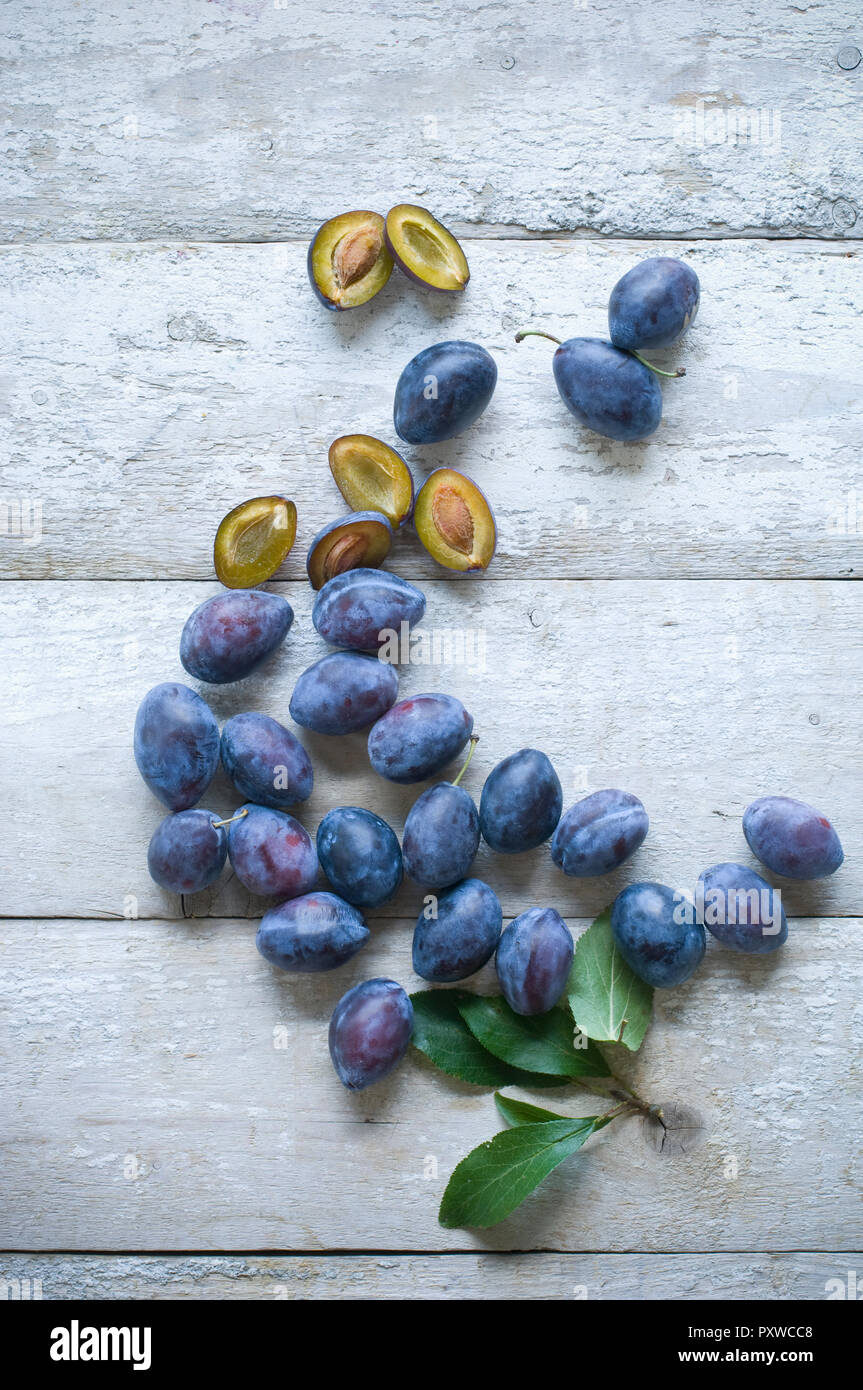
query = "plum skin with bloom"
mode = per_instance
[
  {"x": 657, "y": 934},
  {"x": 418, "y": 737},
  {"x": 258, "y": 753},
  {"x": 360, "y": 855},
  {"x": 653, "y": 304},
  {"x": 792, "y": 838},
  {"x": 441, "y": 836},
  {"x": 520, "y": 803},
  {"x": 608, "y": 390},
  {"x": 229, "y": 635},
  {"x": 313, "y": 933},
  {"x": 369, "y": 1032},
  {"x": 599, "y": 833},
  {"x": 353, "y": 609},
  {"x": 741, "y": 908},
  {"x": 187, "y": 851},
  {"x": 176, "y": 744},
  {"x": 462, "y": 936},
  {"x": 442, "y": 391},
  {"x": 533, "y": 959},
  {"x": 344, "y": 692},
  {"x": 271, "y": 853}
]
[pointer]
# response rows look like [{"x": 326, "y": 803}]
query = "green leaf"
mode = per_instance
[
  {"x": 543, "y": 1043},
  {"x": 608, "y": 1000},
  {"x": 518, "y": 1112},
  {"x": 495, "y": 1177},
  {"x": 442, "y": 1035}
]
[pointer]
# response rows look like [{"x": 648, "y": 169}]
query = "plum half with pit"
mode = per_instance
[
  {"x": 349, "y": 261},
  {"x": 253, "y": 540},
  {"x": 454, "y": 521},
  {"x": 359, "y": 541},
  {"x": 442, "y": 391},
  {"x": 424, "y": 250},
  {"x": 372, "y": 477}
]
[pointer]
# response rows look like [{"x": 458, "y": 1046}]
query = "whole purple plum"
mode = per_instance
[
  {"x": 456, "y": 936},
  {"x": 370, "y": 1030},
  {"x": 187, "y": 851},
  {"x": 533, "y": 958},
  {"x": 176, "y": 744},
  {"x": 742, "y": 910},
  {"x": 266, "y": 762},
  {"x": 271, "y": 853},
  {"x": 230, "y": 634},
  {"x": 362, "y": 607},
  {"x": 418, "y": 737},
  {"x": 344, "y": 692},
  {"x": 520, "y": 803},
  {"x": 599, "y": 833},
  {"x": 311, "y": 934},
  {"x": 792, "y": 838}
]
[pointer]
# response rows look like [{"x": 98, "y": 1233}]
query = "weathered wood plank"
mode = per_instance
[
  {"x": 167, "y": 1090},
  {"x": 696, "y": 696},
  {"x": 150, "y": 389},
  {"x": 234, "y": 120},
  {"x": 522, "y": 1276}
]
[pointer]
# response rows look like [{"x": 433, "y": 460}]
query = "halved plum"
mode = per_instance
[
  {"x": 454, "y": 521},
  {"x": 349, "y": 260},
  {"x": 424, "y": 249},
  {"x": 253, "y": 540},
  {"x": 359, "y": 541},
  {"x": 371, "y": 475}
]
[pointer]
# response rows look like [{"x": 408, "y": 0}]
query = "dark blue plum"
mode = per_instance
[
  {"x": 599, "y": 833},
  {"x": 608, "y": 390},
  {"x": 652, "y": 305},
  {"x": 360, "y": 855},
  {"x": 370, "y": 1030},
  {"x": 271, "y": 853},
  {"x": 442, "y": 391},
  {"x": 355, "y": 608},
  {"x": 418, "y": 737},
  {"x": 441, "y": 836},
  {"x": 230, "y": 634},
  {"x": 657, "y": 934},
  {"x": 533, "y": 959},
  {"x": 311, "y": 934},
  {"x": 343, "y": 692},
  {"x": 460, "y": 933},
  {"x": 741, "y": 909},
  {"x": 187, "y": 851},
  {"x": 265, "y": 761},
  {"x": 176, "y": 744},
  {"x": 521, "y": 802},
  {"x": 792, "y": 838}
]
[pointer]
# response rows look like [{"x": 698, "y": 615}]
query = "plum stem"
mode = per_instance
[
  {"x": 535, "y": 333},
  {"x": 474, "y": 740},
  {"x": 239, "y": 816},
  {"x": 658, "y": 371}
]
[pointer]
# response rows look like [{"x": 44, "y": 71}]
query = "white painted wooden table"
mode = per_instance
[{"x": 673, "y": 617}]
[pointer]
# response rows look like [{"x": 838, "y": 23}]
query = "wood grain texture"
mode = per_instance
[
  {"x": 696, "y": 696},
  {"x": 168, "y": 1090},
  {"x": 523, "y": 1276},
  {"x": 150, "y": 389},
  {"x": 253, "y": 119}
]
